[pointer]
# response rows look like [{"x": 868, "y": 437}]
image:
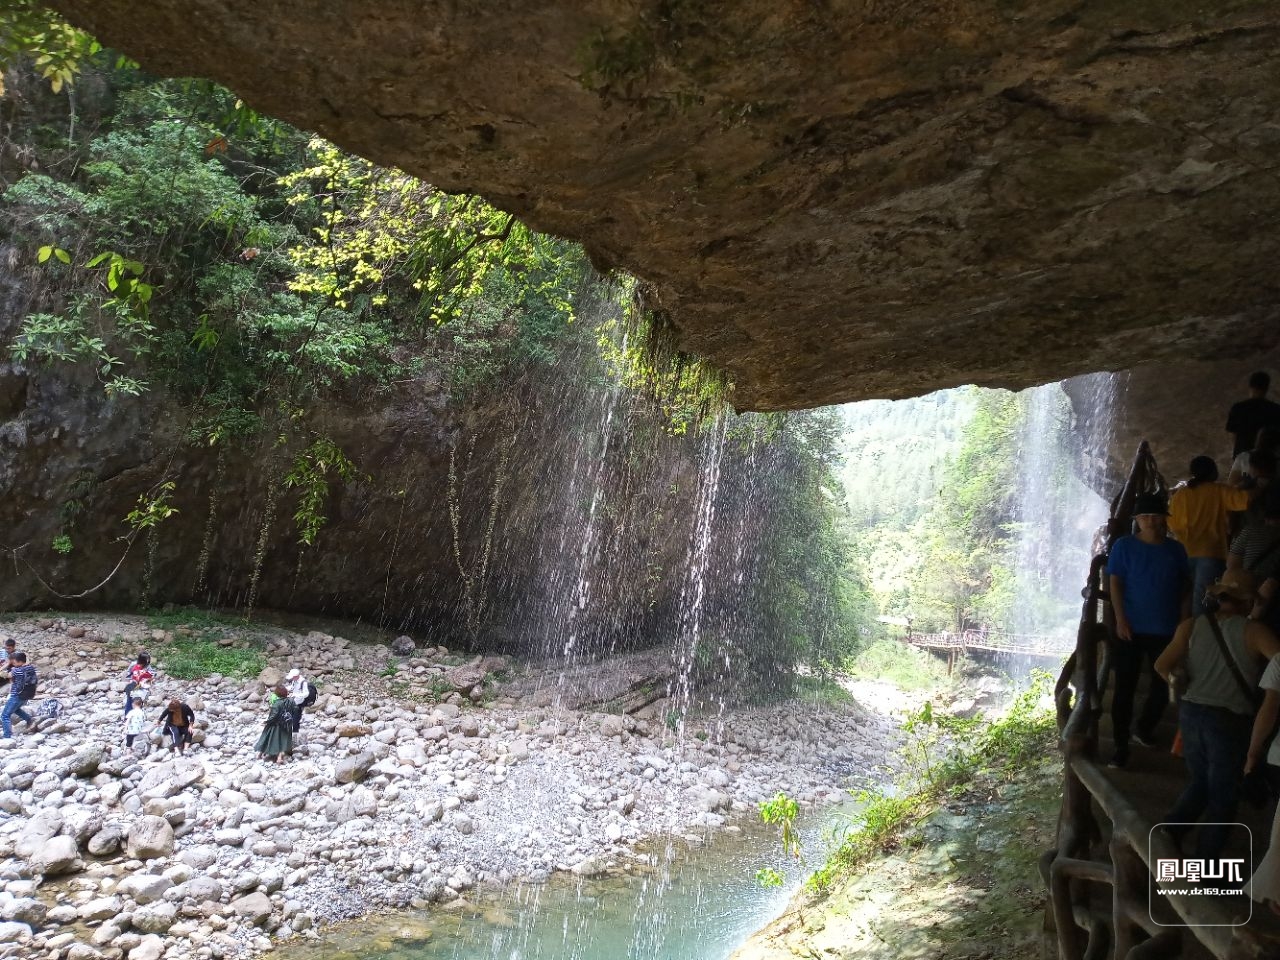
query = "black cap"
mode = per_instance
[{"x": 1150, "y": 503}]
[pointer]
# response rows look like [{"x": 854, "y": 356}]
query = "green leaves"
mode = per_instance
[
  {"x": 57, "y": 49},
  {"x": 310, "y": 476},
  {"x": 56, "y": 252},
  {"x": 153, "y": 507}
]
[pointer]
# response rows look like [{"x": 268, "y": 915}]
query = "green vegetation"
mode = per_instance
[
  {"x": 907, "y": 668},
  {"x": 184, "y": 245},
  {"x": 934, "y": 486},
  {"x": 200, "y": 645},
  {"x": 944, "y": 754},
  {"x": 190, "y": 658}
]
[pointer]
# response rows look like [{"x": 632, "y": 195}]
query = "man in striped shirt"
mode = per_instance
[{"x": 22, "y": 677}]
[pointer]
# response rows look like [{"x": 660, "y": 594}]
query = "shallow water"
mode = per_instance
[{"x": 695, "y": 903}]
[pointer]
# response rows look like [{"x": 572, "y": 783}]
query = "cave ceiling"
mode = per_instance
[{"x": 830, "y": 201}]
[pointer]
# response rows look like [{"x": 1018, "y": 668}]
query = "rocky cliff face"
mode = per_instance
[
  {"x": 1180, "y": 408},
  {"x": 831, "y": 202},
  {"x": 468, "y": 522}
]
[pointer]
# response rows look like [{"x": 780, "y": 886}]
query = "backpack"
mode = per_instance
[
  {"x": 51, "y": 709},
  {"x": 28, "y": 691},
  {"x": 284, "y": 717},
  {"x": 312, "y": 693}
]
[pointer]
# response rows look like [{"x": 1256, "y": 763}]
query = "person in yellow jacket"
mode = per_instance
[{"x": 1198, "y": 512}]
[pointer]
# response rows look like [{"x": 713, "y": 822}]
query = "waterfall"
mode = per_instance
[
  {"x": 694, "y": 591},
  {"x": 1057, "y": 512},
  {"x": 588, "y": 550}
]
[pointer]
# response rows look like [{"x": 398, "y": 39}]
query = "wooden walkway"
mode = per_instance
[
  {"x": 1103, "y": 901},
  {"x": 1023, "y": 644}
]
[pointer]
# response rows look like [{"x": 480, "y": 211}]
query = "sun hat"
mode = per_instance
[
  {"x": 293, "y": 674},
  {"x": 1148, "y": 503},
  {"x": 1235, "y": 583}
]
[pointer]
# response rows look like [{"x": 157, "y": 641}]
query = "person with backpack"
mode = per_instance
[
  {"x": 1218, "y": 659},
  {"x": 177, "y": 719},
  {"x": 22, "y": 690},
  {"x": 277, "y": 733},
  {"x": 302, "y": 692}
]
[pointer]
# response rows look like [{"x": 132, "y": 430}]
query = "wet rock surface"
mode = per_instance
[
  {"x": 390, "y": 799},
  {"x": 830, "y": 202}
]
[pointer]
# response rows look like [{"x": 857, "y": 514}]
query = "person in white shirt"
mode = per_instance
[
  {"x": 299, "y": 688},
  {"x": 135, "y": 724}
]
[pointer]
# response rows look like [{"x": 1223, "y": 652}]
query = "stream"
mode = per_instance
[{"x": 698, "y": 902}]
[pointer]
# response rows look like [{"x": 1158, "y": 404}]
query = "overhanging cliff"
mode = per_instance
[{"x": 829, "y": 201}]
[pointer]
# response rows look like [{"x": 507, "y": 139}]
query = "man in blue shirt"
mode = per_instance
[{"x": 1150, "y": 580}]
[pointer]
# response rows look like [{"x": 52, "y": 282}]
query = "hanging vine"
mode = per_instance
[
  {"x": 274, "y": 487},
  {"x": 474, "y": 579},
  {"x": 215, "y": 500}
]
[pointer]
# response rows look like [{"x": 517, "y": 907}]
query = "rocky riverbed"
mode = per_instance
[{"x": 418, "y": 775}]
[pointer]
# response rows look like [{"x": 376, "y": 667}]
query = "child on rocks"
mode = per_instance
[
  {"x": 135, "y": 724},
  {"x": 139, "y": 677}
]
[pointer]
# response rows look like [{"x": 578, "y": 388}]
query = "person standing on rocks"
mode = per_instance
[
  {"x": 23, "y": 689},
  {"x": 139, "y": 676},
  {"x": 300, "y": 693},
  {"x": 135, "y": 725},
  {"x": 177, "y": 719},
  {"x": 1150, "y": 579},
  {"x": 277, "y": 734}
]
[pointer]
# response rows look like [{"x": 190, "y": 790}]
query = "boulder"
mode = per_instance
[
  {"x": 83, "y": 763},
  {"x": 255, "y": 908},
  {"x": 360, "y": 803},
  {"x": 149, "y": 837},
  {"x": 589, "y": 867},
  {"x": 201, "y": 889},
  {"x": 403, "y": 646},
  {"x": 199, "y": 858},
  {"x": 57, "y": 856},
  {"x": 353, "y": 769},
  {"x": 145, "y": 887},
  {"x": 26, "y": 910},
  {"x": 103, "y": 908},
  {"x": 107, "y": 840},
  {"x": 150, "y": 947},
  {"x": 462, "y": 679},
  {"x": 14, "y": 932},
  {"x": 349, "y": 730},
  {"x": 82, "y": 823},
  {"x": 611, "y": 726},
  {"x": 270, "y": 677},
  {"x": 155, "y": 917},
  {"x": 170, "y": 779}
]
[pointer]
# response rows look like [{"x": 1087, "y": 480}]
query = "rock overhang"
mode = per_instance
[{"x": 829, "y": 202}]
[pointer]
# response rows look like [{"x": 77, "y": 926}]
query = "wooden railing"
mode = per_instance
[
  {"x": 1093, "y": 924},
  {"x": 1026, "y": 644}
]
